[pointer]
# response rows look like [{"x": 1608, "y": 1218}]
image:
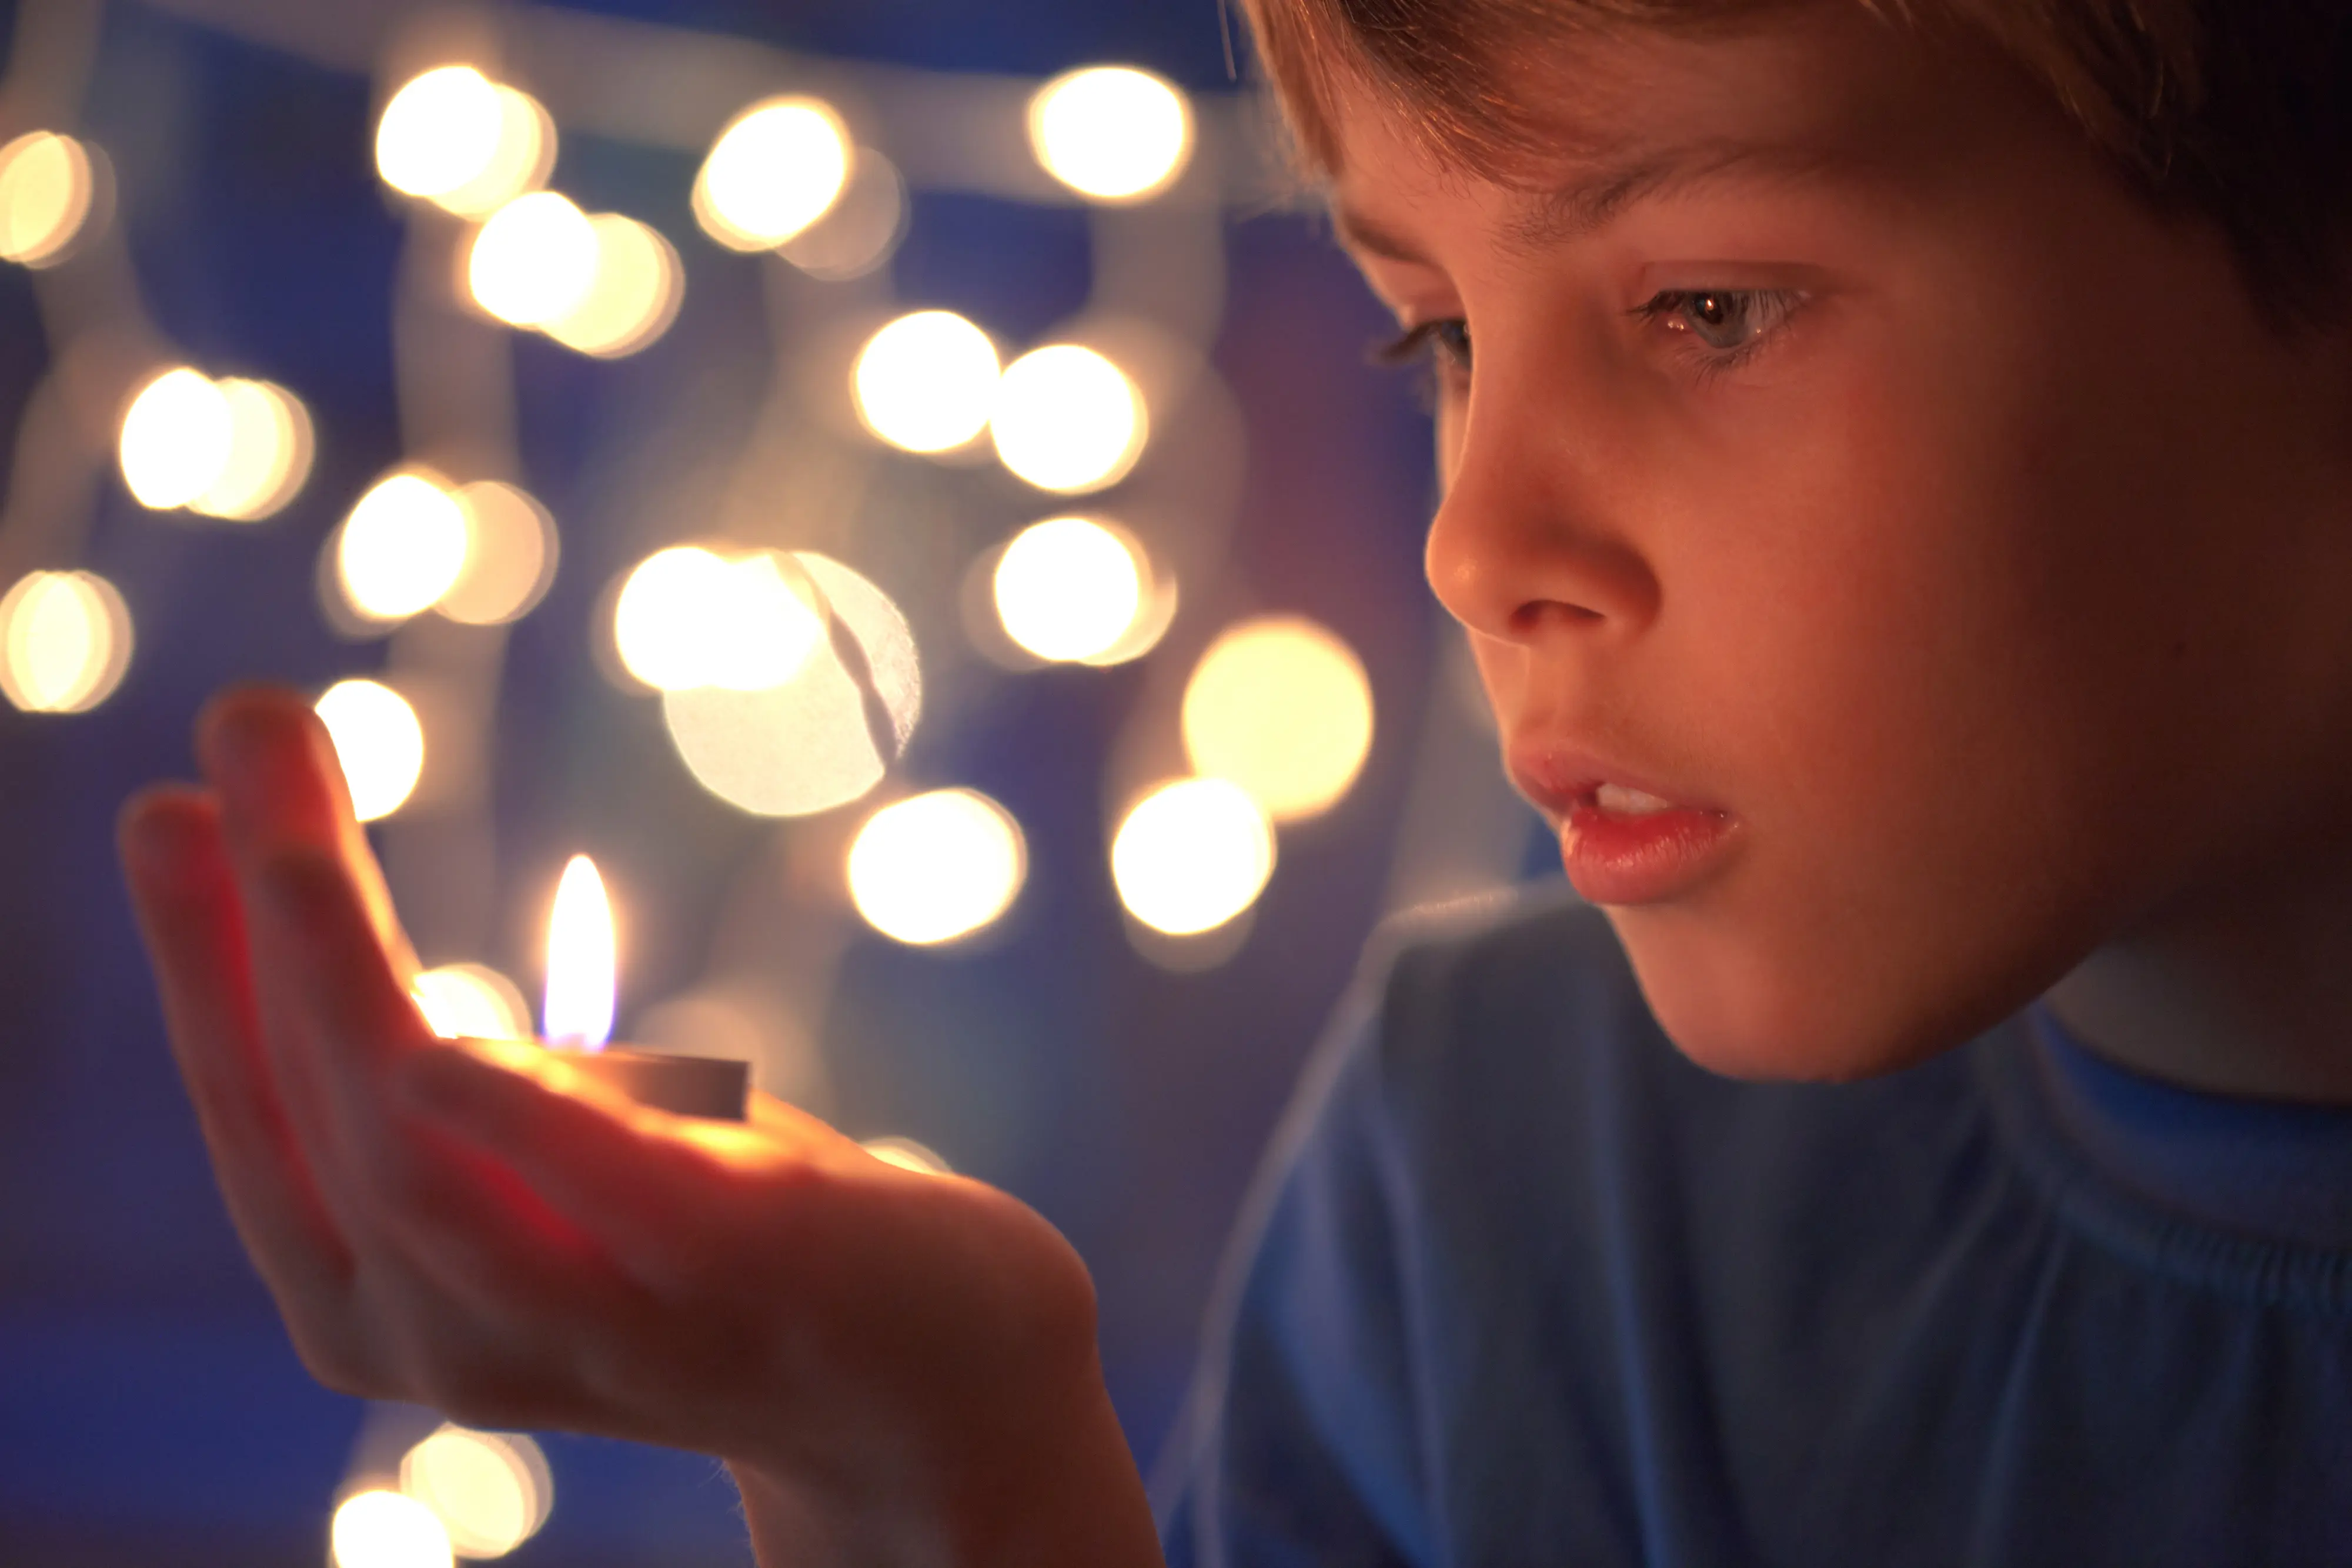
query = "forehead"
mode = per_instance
[{"x": 1601, "y": 118}]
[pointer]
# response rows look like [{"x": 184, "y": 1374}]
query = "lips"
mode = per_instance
[
  {"x": 1559, "y": 777},
  {"x": 1621, "y": 851}
]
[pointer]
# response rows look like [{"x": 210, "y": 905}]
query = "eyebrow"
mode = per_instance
[{"x": 1595, "y": 198}]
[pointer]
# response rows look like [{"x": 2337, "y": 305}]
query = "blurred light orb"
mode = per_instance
[
  {"x": 812, "y": 742},
  {"x": 47, "y": 187},
  {"x": 386, "y": 1529},
  {"x": 863, "y": 229},
  {"x": 633, "y": 295},
  {"x": 379, "y": 742},
  {"x": 270, "y": 447},
  {"x": 177, "y": 438},
  {"x": 936, "y": 866},
  {"x": 439, "y": 131},
  {"x": 511, "y": 555},
  {"x": 1068, "y": 588},
  {"x": 791, "y": 750},
  {"x": 1282, "y": 707},
  {"x": 760, "y": 630},
  {"x": 658, "y": 622},
  {"x": 688, "y": 617},
  {"x": 65, "y": 641},
  {"x": 926, "y": 381},
  {"x": 533, "y": 261},
  {"x": 879, "y": 629},
  {"x": 1111, "y": 132},
  {"x": 520, "y": 162},
  {"x": 489, "y": 1490},
  {"x": 908, "y": 1155},
  {"x": 463, "y": 1001},
  {"x": 1192, "y": 855},
  {"x": 403, "y": 546},
  {"x": 1067, "y": 420},
  {"x": 775, "y": 170}
]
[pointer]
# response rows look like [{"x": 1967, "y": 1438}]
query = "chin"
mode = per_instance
[{"x": 1761, "y": 1016}]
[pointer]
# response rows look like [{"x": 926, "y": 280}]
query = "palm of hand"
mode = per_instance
[{"x": 456, "y": 1225}]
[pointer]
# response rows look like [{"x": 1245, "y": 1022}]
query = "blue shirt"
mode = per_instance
[{"x": 1522, "y": 1285}]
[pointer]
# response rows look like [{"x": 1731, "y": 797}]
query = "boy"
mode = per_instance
[{"x": 1896, "y": 492}]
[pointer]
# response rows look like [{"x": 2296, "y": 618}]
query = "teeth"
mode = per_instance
[{"x": 1630, "y": 802}]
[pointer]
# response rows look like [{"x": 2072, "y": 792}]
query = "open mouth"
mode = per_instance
[{"x": 1624, "y": 801}]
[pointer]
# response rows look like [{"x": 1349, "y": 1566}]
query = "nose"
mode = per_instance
[{"x": 1529, "y": 542}]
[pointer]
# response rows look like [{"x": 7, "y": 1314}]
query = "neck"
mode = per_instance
[{"x": 2249, "y": 993}]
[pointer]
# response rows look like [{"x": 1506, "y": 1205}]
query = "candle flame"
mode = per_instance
[{"x": 580, "y": 960}]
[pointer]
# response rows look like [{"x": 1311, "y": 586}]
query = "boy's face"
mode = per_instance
[{"x": 1948, "y": 520}]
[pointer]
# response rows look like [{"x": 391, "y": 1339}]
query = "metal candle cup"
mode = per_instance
[
  {"x": 707, "y": 1086},
  {"x": 581, "y": 966}
]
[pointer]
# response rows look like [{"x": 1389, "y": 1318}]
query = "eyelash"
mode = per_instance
[{"x": 1425, "y": 343}]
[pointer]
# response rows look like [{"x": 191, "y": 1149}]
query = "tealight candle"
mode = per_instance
[{"x": 578, "y": 1020}]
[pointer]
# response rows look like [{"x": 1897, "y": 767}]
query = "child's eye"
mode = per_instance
[
  {"x": 1725, "y": 326},
  {"x": 1447, "y": 341}
]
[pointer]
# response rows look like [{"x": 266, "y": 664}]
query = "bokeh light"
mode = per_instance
[
  {"x": 532, "y": 261},
  {"x": 511, "y": 555},
  {"x": 776, "y": 169},
  {"x": 490, "y": 1491},
  {"x": 440, "y": 130},
  {"x": 927, "y": 383},
  {"x": 47, "y": 187},
  {"x": 463, "y": 141},
  {"x": 863, "y": 229},
  {"x": 1067, "y": 420},
  {"x": 382, "y": 1528},
  {"x": 808, "y": 745},
  {"x": 791, "y": 751},
  {"x": 520, "y": 162},
  {"x": 880, "y": 630},
  {"x": 1111, "y": 132},
  {"x": 633, "y": 295},
  {"x": 1069, "y": 588},
  {"x": 270, "y": 447},
  {"x": 403, "y": 546},
  {"x": 657, "y": 624},
  {"x": 379, "y": 742},
  {"x": 65, "y": 641},
  {"x": 1281, "y": 707},
  {"x": 908, "y": 1155},
  {"x": 688, "y": 617},
  {"x": 471, "y": 1002},
  {"x": 936, "y": 866},
  {"x": 1192, "y": 855},
  {"x": 177, "y": 435}
]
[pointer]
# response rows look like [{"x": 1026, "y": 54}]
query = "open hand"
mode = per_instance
[{"x": 899, "y": 1366}]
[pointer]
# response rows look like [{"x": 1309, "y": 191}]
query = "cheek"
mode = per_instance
[{"x": 1880, "y": 622}]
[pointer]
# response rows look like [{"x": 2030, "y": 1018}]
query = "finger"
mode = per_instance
[
  {"x": 185, "y": 895},
  {"x": 612, "y": 1169},
  {"x": 281, "y": 784},
  {"x": 475, "y": 1229},
  {"x": 355, "y": 1011}
]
